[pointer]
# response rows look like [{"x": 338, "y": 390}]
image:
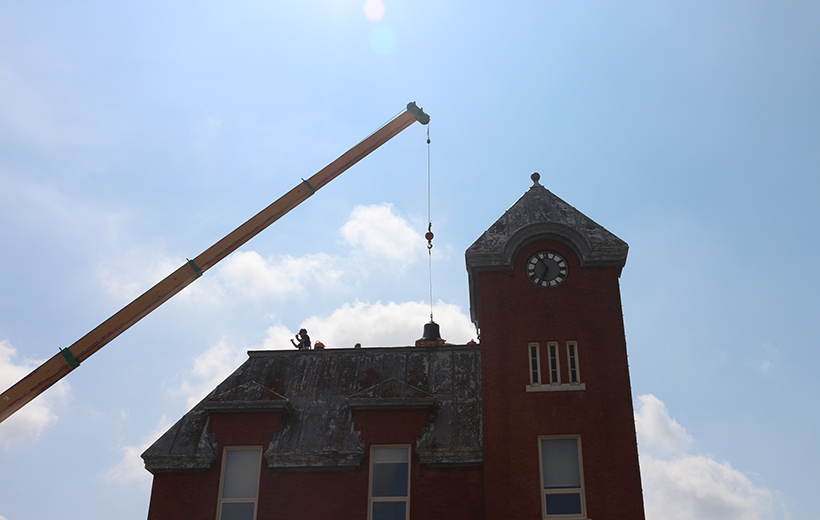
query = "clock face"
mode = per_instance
[{"x": 547, "y": 269}]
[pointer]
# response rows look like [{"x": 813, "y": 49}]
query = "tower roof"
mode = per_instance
[{"x": 540, "y": 214}]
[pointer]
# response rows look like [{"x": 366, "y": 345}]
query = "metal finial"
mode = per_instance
[{"x": 535, "y": 178}]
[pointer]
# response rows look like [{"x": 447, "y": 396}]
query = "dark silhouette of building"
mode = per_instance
[{"x": 534, "y": 421}]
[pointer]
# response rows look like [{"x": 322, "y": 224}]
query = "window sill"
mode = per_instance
[{"x": 575, "y": 387}]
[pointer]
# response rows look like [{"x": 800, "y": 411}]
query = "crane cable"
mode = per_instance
[{"x": 429, "y": 235}]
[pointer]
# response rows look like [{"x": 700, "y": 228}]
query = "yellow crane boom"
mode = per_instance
[{"x": 51, "y": 371}]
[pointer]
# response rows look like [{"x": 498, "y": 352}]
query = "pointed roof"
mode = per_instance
[
  {"x": 246, "y": 397},
  {"x": 541, "y": 214},
  {"x": 391, "y": 393}
]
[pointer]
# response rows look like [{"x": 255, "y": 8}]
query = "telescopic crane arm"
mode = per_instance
[{"x": 70, "y": 358}]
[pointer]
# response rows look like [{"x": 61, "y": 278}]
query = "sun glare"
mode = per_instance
[{"x": 374, "y": 10}]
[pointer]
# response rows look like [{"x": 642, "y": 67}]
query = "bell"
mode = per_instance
[
  {"x": 431, "y": 332},
  {"x": 431, "y": 336}
]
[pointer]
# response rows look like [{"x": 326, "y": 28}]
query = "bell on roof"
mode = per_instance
[{"x": 431, "y": 337}]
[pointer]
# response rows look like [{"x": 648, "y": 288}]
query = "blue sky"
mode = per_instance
[{"x": 134, "y": 135}]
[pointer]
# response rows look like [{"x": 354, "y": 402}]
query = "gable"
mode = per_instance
[
  {"x": 391, "y": 394},
  {"x": 540, "y": 214}
]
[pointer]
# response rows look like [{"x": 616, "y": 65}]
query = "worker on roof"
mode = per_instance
[{"x": 304, "y": 340}]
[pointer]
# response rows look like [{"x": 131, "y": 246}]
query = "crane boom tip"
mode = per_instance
[{"x": 414, "y": 109}]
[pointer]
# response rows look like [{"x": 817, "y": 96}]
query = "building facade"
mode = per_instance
[{"x": 535, "y": 421}]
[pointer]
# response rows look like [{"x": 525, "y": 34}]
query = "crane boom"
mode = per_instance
[{"x": 51, "y": 371}]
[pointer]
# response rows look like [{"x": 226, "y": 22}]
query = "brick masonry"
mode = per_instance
[
  {"x": 472, "y": 426},
  {"x": 585, "y": 308}
]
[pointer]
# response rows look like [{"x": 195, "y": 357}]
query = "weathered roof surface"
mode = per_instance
[
  {"x": 391, "y": 394},
  {"x": 249, "y": 396},
  {"x": 540, "y": 213},
  {"x": 319, "y": 391}
]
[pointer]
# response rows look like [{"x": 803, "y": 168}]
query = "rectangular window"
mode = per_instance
[
  {"x": 535, "y": 363},
  {"x": 572, "y": 360},
  {"x": 562, "y": 477},
  {"x": 389, "y": 483},
  {"x": 555, "y": 369},
  {"x": 239, "y": 485}
]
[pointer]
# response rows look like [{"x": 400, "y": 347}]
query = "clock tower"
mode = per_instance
[{"x": 559, "y": 433}]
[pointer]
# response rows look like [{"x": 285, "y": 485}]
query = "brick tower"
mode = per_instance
[
  {"x": 534, "y": 422},
  {"x": 559, "y": 433}
]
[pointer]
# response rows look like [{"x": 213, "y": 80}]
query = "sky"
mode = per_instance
[{"x": 134, "y": 135}]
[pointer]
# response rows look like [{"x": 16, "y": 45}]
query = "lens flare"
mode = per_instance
[
  {"x": 374, "y": 10},
  {"x": 383, "y": 40}
]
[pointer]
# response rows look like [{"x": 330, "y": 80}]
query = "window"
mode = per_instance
[
  {"x": 239, "y": 486},
  {"x": 553, "y": 379},
  {"x": 562, "y": 478},
  {"x": 389, "y": 483},
  {"x": 535, "y": 364},
  {"x": 572, "y": 360},
  {"x": 555, "y": 370}
]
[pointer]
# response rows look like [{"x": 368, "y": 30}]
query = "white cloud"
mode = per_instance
[
  {"x": 131, "y": 469},
  {"x": 657, "y": 431},
  {"x": 131, "y": 274},
  {"x": 243, "y": 276},
  {"x": 249, "y": 275},
  {"x": 379, "y": 241},
  {"x": 383, "y": 236},
  {"x": 29, "y": 422},
  {"x": 387, "y": 324},
  {"x": 693, "y": 487},
  {"x": 278, "y": 338},
  {"x": 209, "y": 369},
  {"x": 681, "y": 486}
]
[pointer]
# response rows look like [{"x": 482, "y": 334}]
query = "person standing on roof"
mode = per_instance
[{"x": 304, "y": 340}]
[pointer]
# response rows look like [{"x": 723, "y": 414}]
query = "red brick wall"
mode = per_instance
[
  {"x": 451, "y": 493},
  {"x": 585, "y": 308},
  {"x": 184, "y": 496},
  {"x": 447, "y": 493},
  {"x": 194, "y": 495}
]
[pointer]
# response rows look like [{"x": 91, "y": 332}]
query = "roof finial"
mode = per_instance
[{"x": 535, "y": 178}]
